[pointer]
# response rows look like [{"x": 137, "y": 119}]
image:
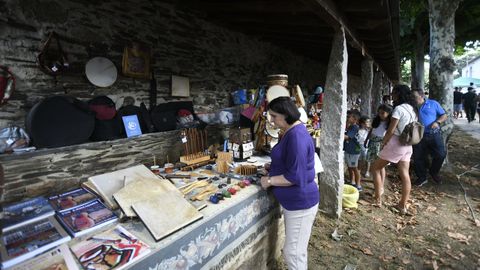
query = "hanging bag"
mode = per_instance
[
  {"x": 7, "y": 84},
  {"x": 52, "y": 61},
  {"x": 412, "y": 134}
]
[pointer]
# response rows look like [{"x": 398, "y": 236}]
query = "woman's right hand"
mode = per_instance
[{"x": 266, "y": 166}]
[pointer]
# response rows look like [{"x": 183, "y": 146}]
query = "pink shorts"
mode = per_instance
[{"x": 394, "y": 151}]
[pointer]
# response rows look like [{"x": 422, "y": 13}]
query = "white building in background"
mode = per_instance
[{"x": 472, "y": 69}]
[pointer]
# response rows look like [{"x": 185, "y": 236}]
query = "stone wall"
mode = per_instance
[{"x": 216, "y": 60}]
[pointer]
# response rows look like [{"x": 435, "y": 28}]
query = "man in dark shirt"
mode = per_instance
[
  {"x": 457, "y": 103},
  {"x": 469, "y": 104}
]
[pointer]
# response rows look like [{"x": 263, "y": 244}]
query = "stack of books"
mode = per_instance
[
  {"x": 81, "y": 212},
  {"x": 29, "y": 228},
  {"x": 58, "y": 258}
]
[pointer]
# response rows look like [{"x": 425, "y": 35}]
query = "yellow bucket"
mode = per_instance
[{"x": 350, "y": 197}]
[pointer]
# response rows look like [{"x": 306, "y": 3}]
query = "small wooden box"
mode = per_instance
[{"x": 240, "y": 135}]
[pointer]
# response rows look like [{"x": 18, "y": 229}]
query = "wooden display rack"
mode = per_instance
[
  {"x": 194, "y": 158},
  {"x": 194, "y": 145}
]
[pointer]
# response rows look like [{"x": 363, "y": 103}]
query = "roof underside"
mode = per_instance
[{"x": 307, "y": 26}]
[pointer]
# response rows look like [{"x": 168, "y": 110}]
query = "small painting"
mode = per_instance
[{"x": 180, "y": 86}]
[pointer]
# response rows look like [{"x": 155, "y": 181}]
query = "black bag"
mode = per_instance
[
  {"x": 164, "y": 116},
  {"x": 59, "y": 121},
  {"x": 163, "y": 120},
  {"x": 103, "y": 106}
]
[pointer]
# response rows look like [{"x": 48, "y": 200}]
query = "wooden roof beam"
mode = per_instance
[{"x": 330, "y": 13}]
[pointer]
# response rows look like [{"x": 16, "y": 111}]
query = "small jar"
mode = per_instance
[
  {"x": 155, "y": 169},
  {"x": 168, "y": 167}
]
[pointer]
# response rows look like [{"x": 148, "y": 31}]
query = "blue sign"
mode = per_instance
[{"x": 132, "y": 126}]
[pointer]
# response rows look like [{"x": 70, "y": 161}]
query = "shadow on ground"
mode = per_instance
[{"x": 438, "y": 233}]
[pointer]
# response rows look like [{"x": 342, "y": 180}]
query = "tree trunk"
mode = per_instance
[
  {"x": 419, "y": 60},
  {"x": 413, "y": 74},
  {"x": 442, "y": 64},
  {"x": 442, "y": 37}
]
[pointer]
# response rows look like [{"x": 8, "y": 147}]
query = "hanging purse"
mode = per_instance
[
  {"x": 50, "y": 60},
  {"x": 7, "y": 84}
]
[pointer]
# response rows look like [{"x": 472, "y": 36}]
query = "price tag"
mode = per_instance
[{"x": 235, "y": 147}]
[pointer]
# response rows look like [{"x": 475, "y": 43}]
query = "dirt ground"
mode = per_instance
[{"x": 438, "y": 233}]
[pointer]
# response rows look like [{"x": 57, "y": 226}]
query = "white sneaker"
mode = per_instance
[{"x": 367, "y": 174}]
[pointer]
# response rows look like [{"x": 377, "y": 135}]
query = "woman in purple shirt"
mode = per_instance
[{"x": 291, "y": 176}]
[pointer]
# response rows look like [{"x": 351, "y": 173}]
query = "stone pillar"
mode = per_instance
[
  {"x": 333, "y": 127},
  {"x": 376, "y": 92},
  {"x": 366, "y": 90}
]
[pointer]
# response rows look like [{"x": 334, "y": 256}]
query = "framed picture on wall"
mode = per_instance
[
  {"x": 180, "y": 86},
  {"x": 136, "y": 61}
]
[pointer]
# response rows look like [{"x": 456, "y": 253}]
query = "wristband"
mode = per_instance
[{"x": 269, "y": 181}]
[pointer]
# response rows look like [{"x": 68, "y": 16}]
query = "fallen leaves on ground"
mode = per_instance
[
  {"x": 365, "y": 251},
  {"x": 385, "y": 258},
  {"x": 460, "y": 237}
]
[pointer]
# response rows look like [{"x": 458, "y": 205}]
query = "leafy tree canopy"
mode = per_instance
[{"x": 414, "y": 14}]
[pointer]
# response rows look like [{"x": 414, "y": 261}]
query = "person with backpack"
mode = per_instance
[
  {"x": 432, "y": 115},
  {"x": 394, "y": 151}
]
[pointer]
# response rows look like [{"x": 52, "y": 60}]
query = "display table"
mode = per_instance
[{"x": 238, "y": 231}]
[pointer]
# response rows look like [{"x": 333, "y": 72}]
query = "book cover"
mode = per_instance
[
  {"x": 88, "y": 185},
  {"x": 112, "y": 249},
  {"x": 86, "y": 218},
  {"x": 21, "y": 213},
  {"x": 25, "y": 242},
  {"x": 59, "y": 258},
  {"x": 132, "y": 126},
  {"x": 71, "y": 199}
]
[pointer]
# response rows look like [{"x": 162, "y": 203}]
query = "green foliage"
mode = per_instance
[
  {"x": 405, "y": 71},
  {"x": 413, "y": 15}
]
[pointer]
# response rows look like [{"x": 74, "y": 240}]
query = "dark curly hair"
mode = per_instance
[
  {"x": 386, "y": 108},
  {"x": 404, "y": 95}
]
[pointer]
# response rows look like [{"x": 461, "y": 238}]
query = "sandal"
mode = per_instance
[
  {"x": 400, "y": 210},
  {"x": 377, "y": 202}
]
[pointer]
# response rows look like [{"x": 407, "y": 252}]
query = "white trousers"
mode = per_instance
[{"x": 298, "y": 227}]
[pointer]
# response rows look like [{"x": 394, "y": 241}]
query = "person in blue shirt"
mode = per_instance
[
  {"x": 431, "y": 115},
  {"x": 352, "y": 148}
]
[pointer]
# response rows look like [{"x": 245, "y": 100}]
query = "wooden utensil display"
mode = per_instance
[
  {"x": 194, "y": 142},
  {"x": 188, "y": 188},
  {"x": 211, "y": 189},
  {"x": 246, "y": 170}
]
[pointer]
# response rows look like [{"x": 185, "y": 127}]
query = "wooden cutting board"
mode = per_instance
[
  {"x": 166, "y": 214},
  {"x": 142, "y": 190}
]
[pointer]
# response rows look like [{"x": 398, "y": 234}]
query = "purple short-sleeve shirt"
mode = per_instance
[{"x": 293, "y": 157}]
